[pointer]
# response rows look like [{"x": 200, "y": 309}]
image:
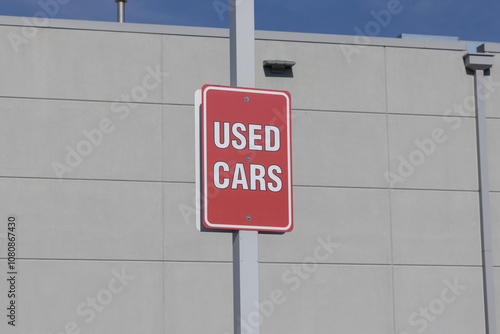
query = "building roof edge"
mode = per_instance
[{"x": 355, "y": 41}]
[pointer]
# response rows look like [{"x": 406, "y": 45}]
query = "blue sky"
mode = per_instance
[{"x": 473, "y": 20}]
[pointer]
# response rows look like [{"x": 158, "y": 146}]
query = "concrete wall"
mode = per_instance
[{"x": 385, "y": 184}]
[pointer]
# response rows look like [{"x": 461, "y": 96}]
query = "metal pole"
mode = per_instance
[
  {"x": 245, "y": 243},
  {"x": 242, "y": 43},
  {"x": 246, "y": 282},
  {"x": 121, "y": 10},
  {"x": 484, "y": 200},
  {"x": 478, "y": 63}
]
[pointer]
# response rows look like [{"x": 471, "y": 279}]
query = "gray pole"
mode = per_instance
[
  {"x": 242, "y": 43},
  {"x": 478, "y": 63},
  {"x": 484, "y": 198},
  {"x": 245, "y": 243},
  {"x": 246, "y": 282},
  {"x": 121, "y": 10}
]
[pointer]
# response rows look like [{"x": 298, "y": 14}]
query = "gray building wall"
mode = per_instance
[{"x": 387, "y": 225}]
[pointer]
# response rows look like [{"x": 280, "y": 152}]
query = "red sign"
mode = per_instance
[{"x": 246, "y": 162}]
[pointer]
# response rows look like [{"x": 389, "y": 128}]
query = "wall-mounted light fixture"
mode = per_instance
[
  {"x": 478, "y": 61},
  {"x": 278, "y": 66}
]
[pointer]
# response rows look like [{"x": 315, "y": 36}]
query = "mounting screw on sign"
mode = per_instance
[{"x": 244, "y": 159}]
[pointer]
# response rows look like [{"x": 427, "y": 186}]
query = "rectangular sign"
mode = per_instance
[{"x": 245, "y": 171}]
